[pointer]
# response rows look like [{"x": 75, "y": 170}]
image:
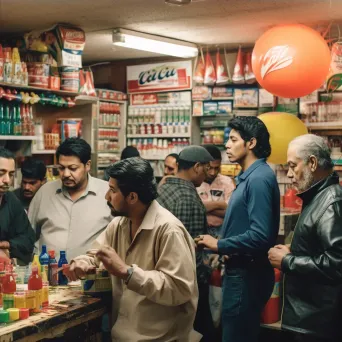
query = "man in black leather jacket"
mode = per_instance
[{"x": 313, "y": 265}]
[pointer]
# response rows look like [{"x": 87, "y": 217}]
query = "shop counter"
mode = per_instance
[{"x": 68, "y": 309}]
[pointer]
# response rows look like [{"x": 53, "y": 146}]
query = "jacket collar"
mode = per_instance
[{"x": 309, "y": 194}]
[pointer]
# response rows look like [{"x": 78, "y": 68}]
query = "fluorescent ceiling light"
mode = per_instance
[
  {"x": 178, "y": 2},
  {"x": 161, "y": 45}
]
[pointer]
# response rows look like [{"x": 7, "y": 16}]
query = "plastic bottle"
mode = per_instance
[
  {"x": 16, "y": 121},
  {"x": 35, "y": 284},
  {"x": 36, "y": 263},
  {"x": 1, "y": 64},
  {"x": 44, "y": 260},
  {"x": 62, "y": 279},
  {"x": 53, "y": 266},
  {"x": 2, "y": 120},
  {"x": 8, "y": 288}
]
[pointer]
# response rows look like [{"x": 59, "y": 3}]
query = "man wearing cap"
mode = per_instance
[{"x": 180, "y": 197}]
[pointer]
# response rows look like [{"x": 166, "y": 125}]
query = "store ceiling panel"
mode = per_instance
[{"x": 208, "y": 22}]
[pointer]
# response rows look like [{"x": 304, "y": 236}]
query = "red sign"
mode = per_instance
[{"x": 159, "y": 77}]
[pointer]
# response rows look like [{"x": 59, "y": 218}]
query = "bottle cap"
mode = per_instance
[
  {"x": 4, "y": 316},
  {"x": 13, "y": 314},
  {"x": 24, "y": 313}
]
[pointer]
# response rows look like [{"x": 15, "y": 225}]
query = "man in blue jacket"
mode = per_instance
[{"x": 250, "y": 228}]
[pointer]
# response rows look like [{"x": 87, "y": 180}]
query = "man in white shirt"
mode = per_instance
[{"x": 70, "y": 213}]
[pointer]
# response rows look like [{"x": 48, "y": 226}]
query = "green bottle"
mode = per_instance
[
  {"x": 17, "y": 121},
  {"x": 7, "y": 118},
  {"x": 2, "y": 120}
]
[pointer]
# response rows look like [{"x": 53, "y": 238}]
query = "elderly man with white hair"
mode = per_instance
[{"x": 313, "y": 264}]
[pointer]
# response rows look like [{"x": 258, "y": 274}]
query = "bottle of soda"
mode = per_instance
[
  {"x": 35, "y": 284},
  {"x": 44, "y": 260},
  {"x": 62, "y": 279},
  {"x": 53, "y": 266},
  {"x": 2, "y": 120},
  {"x": 7, "y": 119}
]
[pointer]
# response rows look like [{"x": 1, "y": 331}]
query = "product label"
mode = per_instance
[{"x": 159, "y": 77}]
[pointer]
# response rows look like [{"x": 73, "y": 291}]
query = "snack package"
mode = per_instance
[
  {"x": 210, "y": 74},
  {"x": 238, "y": 75},
  {"x": 87, "y": 83},
  {"x": 221, "y": 72},
  {"x": 334, "y": 79},
  {"x": 199, "y": 71},
  {"x": 249, "y": 75}
]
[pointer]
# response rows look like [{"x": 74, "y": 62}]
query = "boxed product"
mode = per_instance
[
  {"x": 201, "y": 93},
  {"x": 210, "y": 108},
  {"x": 224, "y": 107},
  {"x": 197, "y": 108},
  {"x": 222, "y": 93},
  {"x": 108, "y": 94}
]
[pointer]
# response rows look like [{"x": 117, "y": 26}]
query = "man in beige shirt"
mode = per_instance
[
  {"x": 151, "y": 258},
  {"x": 70, "y": 213}
]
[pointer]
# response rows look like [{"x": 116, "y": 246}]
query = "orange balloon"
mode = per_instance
[{"x": 291, "y": 61}]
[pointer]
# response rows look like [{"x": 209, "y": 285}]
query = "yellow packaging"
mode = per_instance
[
  {"x": 19, "y": 300},
  {"x": 30, "y": 298}
]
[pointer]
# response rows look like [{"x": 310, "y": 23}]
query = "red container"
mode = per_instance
[
  {"x": 271, "y": 313},
  {"x": 291, "y": 200}
]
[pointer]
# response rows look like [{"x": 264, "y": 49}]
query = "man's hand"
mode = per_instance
[
  {"x": 207, "y": 241},
  {"x": 112, "y": 262},
  {"x": 77, "y": 270},
  {"x": 276, "y": 255}
]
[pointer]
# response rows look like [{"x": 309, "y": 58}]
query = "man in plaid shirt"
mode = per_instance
[{"x": 179, "y": 196}]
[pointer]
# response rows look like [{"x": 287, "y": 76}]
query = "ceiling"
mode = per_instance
[{"x": 205, "y": 22}]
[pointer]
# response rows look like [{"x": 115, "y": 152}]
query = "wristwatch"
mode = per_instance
[{"x": 130, "y": 271}]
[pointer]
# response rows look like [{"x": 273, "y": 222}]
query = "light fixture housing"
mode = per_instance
[
  {"x": 157, "y": 44},
  {"x": 178, "y": 2}
]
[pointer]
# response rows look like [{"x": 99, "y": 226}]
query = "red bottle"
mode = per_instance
[
  {"x": 9, "y": 286},
  {"x": 271, "y": 313},
  {"x": 35, "y": 284}
]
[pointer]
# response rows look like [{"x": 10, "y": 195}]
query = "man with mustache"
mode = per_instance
[
  {"x": 151, "y": 258},
  {"x": 33, "y": 177},
  {"x": 16, "y": 234},
  {"x": 312, "y": 266},
  {"x": 70, "y": 213}
]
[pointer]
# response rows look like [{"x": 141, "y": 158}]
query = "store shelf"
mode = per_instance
[
  {"x": 149, "y": 136},
  {"x": 18, "y": 137},
  {"x": 109, "y": 151},
  {"x": 214, "y": 126},
  {"x": 44, "y": 152},
  {"x": 113, "y": 101},
  {"x": 111, "y": 138},
  {"x": 85, "y": 99},
  {"x": 317, "y": 126},
  {"x": 109, "y": 127},
  {"x": 29, "y": 88}
]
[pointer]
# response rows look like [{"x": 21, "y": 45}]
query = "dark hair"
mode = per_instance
[
  {"x": 33, "y": 169},
  {"x": 5, "y": 153},
  {"x": 129, "y": 152},
  {"x": 173, "y": 155},
  {"x": 214, "y": 151},
  {"x": 76, "y": 147},
  {"x": 251, "y": 127},
  {"x": 185, "y": 165},
  {"x": 135, "y": 175}
]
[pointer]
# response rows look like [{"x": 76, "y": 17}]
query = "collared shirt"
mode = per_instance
[
  {"x": 16, "y": 228},
  {"x": 251, "y": 222},
  {"x": 63, "y": 224},
  {"x": 160, "y": 300},
  {"x": 180, "y": 197},
  {"x": 24, "y": 201},
  {"x": 220, "y": 189}
]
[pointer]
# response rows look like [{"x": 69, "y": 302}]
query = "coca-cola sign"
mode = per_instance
[{"x": 159, "y": 77}]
